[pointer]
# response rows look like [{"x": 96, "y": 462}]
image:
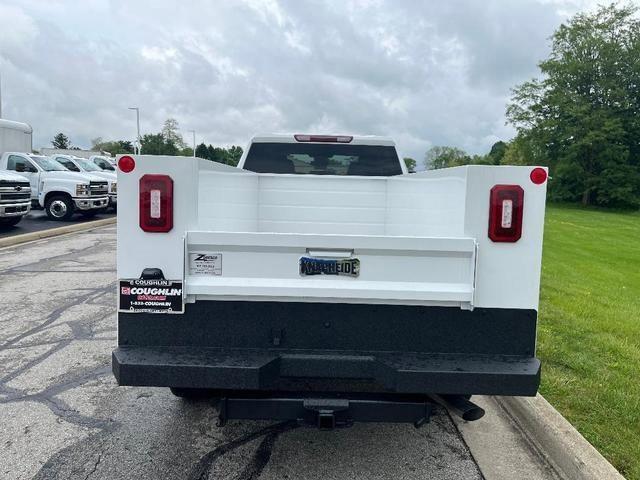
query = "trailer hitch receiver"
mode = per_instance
[
  {"x": 326, "y": 413},
  {"x": 326, "y": 420}
]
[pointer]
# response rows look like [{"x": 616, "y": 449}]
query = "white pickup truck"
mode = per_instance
[
  {"x": 103, "y": 162},
  {"x": 319, "y": 281},
  {"x": 77, "y": 164},
  {"x": 15, "y": 198},
  {"x": 59, "y": 191}
]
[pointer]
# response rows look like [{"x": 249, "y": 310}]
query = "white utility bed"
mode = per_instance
[{"x": 421, "y": 239}]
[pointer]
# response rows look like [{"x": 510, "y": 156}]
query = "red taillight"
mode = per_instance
[
  {"x": 538, "y": 175},
  {"x": 156, "y": 203},
  {"x": 505, "y": 213},
  {"x": 126, "y": 164},
  {"x": 323, "y": 138}
]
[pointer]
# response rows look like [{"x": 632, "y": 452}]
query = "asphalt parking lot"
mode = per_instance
[
  {"x": 37, "y": 220},
  {"x": 64, "y": 417}
]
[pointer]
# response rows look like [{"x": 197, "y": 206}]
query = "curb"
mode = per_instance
[
  {"x": 54, "y": 232},
  {"x": 568, "y": 452}
]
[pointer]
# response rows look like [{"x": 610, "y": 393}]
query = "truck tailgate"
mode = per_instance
[{"x": 261, "y": 265}]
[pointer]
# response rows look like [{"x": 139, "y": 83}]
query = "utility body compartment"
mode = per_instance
[
  {"x": 299, "y": 286},
  {"x": 406, "y": 270}
]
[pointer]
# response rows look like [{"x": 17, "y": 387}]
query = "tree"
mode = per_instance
[
  {"x": 156, "y": 144},
  {"x": 170, "y": 133},
  {"x": 519, "y": 152},
  {"x": 582, "y": 116},
  {"x": 114, "y": 147},
  {"x": 234, "y": 153},
  {"x": 123, "y": 146},
  {"x": 201, "y": 151},
  {"x": 497, "y": 153},
  {"x": 410, "y": 163},
  {"x": 229, "y": 156},
  {"x": 169, "y": 148},
  {"x": 211, "y": 153},
  {"x": 60, "y": 141},
  {"x": 152, "y": 144},
  {"x": 443, "y": 157}
]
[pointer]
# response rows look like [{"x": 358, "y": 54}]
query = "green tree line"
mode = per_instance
[
  {"x": 229, "y": 156},
  {"x": 443, "y": 157},
  {"x": 168, "y": 141},
  {"x": 581, "y": 117}
]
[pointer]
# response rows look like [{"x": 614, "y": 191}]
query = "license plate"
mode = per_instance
[{"x": 349, "y": 267}]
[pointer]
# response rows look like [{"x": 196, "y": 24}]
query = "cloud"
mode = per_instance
[
  {"x": 425, "y": 73},
  {"x": 21, "y": 32},
  {"x": 158, "y": 54}
]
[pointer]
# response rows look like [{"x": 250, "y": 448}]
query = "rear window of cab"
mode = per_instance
[{"x": 323, "y": 159}]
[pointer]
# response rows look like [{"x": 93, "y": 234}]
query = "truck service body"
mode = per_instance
[
  {"x": 15, "y": 136},
  {"x": 319, "y": 281}
]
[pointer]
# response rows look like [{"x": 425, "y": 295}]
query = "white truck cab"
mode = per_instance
[
  {"x": 77, "y": 164},
  {"x": 15, "y": 198},
  {"x": 59, "y": 191},
  {"x": 321, "y": 282}
]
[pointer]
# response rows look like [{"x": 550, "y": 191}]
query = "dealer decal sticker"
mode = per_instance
[
  {"x": 151, "y": 296},
  {"x": 204, "y": 263}
]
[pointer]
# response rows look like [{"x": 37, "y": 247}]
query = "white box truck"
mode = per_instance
[
  {"x": 15, "y": 136},
  {"x": 319, "y": 281}
]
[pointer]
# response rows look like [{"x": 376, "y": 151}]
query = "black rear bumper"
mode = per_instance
[
  {"x": 325, "y": 371},
  {"x": 304, "y": 347}
]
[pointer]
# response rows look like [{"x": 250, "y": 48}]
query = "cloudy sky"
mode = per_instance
[{"x": 425, "y": 72}]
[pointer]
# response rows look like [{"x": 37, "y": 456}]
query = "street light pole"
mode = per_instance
[
  {"x": 194, "y": 142},
  {"x": 138, "y": 124}
]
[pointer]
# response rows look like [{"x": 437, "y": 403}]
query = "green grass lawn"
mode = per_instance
[{"x": 589, "y": 330}]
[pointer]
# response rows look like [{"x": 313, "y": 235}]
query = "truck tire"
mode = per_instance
[
  {"x": 59, "y": 207},
  {"x": 9, "y": 222},
  {"x": 193, "y": 393}
]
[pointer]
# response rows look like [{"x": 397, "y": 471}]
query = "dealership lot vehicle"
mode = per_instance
[
  {"x": 15, "y": 136},
  {"x": 15, "y": 198},
  {"x": 15, "y": 192},
  {"x": 319, "y": 282},
  {"x": 59, "y": 191},
  {"x": 105, "y": 163},
  {"x": 77, "y": 164}
]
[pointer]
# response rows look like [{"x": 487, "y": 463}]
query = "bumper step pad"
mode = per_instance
[{"x": 270, "y": 370}]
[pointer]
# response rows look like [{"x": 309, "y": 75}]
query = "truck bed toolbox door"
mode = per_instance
[{"x": 309, "y": 267}]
